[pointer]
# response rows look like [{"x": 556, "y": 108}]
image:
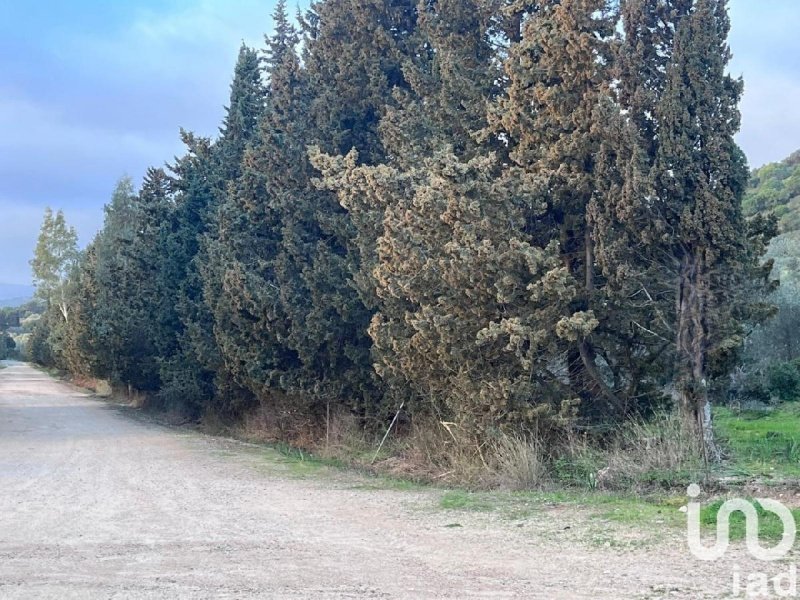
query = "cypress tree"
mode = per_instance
[
  {"x": 464, "y": 326},
  {"x": 249, "y": 323},
  {"x": 559, "y": 81},
  {"x": 211, "y": 181},
  {"x": 700, "y": 176},
  {"x": 80, "y": 349},
  {"x": 353, "y": 55},
  {"x": 191, "y": 361}
]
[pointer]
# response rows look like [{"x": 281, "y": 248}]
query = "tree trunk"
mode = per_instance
[{"x": 692, "y": 335}]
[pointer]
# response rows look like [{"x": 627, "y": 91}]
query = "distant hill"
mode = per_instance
[
  {"x": 13, "y": 294},
  {"x": 775, "y": 188}
]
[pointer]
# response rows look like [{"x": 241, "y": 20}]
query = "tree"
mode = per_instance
[
  {"x": 209, "y": 184},
  {"x": 129, "y": 253},
  {"x": 54, "y": 258},
  {"x": 694, "y": 258},
  {"x": 559, "y": 87},
  {"x": 80, "y": 351},
  {"x": 353, "y": 56},
  {"x": 469, "y": 308},
  {"x": 407, "y": 254},
  {"x": 191, "y": 360}
]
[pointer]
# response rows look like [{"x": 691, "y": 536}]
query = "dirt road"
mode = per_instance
[{"x": 95, "y": 504}]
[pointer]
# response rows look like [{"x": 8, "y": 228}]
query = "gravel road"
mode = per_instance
[{"x": 96, "y": 504}]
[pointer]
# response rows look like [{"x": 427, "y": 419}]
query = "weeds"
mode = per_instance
[
  {"x": 520, "y": 463},
  {"x": 770, "y": 526},
  {"x": 765, "y": 443}
]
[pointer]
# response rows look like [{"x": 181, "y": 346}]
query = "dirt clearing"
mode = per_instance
[{"x": 94, "y": 504}]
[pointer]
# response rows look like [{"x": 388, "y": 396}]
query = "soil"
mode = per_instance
[{"x": 96, "y": 504}]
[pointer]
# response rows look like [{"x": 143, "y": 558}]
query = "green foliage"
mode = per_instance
[
  {"x": 506, "y": 217},
  {"x": 8, "y": 346},
  {"x": 775, "y": 189},
  {"x": 763, "y": 442},
  {"x": 128, "y": 259},
  {"x": 53, "y": 260},
  {"x": 784, "y": 380},
  {"x": 770, "y": 527}
]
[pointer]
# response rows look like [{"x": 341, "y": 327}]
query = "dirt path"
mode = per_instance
[{"x": 94, "y": 504}]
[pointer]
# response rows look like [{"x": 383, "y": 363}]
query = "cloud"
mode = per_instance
[
  {"x": 770, "y": 118},
  {"x": 17, "y": 242},
  {"x": 93, "y": 90},
  {"x": 765, "y": 48},
  {"x": 50, "y": 158}
]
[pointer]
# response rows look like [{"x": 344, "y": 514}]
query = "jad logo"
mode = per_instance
[{"x": 757, "y": 584}]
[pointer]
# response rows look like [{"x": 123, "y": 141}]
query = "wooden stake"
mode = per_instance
[{"x": 385, "y": 435}]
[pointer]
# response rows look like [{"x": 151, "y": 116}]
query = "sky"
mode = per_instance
[{"x": 91, "y": 90}]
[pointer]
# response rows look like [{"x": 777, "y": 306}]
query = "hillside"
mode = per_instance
[
  {"x": 12, "y": 294},
  {"x": 775, "y": 188}
]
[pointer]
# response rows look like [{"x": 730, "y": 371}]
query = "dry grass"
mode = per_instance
[
  {"x": 642, "y": 453},
  {"x": 100, "y": 387},
  {"x": 520, "y": 463},
  {"x": 279, "y": 421},
  {"x": 653, "y": 453}
]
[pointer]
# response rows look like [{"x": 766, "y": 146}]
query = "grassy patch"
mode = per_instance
[
  {"x": 298, "y": 462},
  {"x": 381, "y": 482},
  {"x": 769, "y": 525},
  {"x": 639, "y": 513},
  {"x": 463, "y": 500},
  {"x": 762, "y": 443}
]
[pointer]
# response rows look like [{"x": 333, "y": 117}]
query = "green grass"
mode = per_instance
[
  {"x": 301, "y": 464},
  {"x": 762, "y": 443},
  {"x": 298, "y": 462},
  {"x": 472, "y": 501},
  {"x": 647, "y": 517},
  {"x": 770, "y": 526},
  {"x": 631, "y": 510}
]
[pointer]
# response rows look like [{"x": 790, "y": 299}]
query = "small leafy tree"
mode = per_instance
[{"x": 54, "y": 258}]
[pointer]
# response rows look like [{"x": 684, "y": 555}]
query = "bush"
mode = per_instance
[
  {"x": 783, "y": 380},
  {"x": 749, "y": 386}
]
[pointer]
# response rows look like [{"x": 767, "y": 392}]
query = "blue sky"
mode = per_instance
[{"x": 94, "y": 89}]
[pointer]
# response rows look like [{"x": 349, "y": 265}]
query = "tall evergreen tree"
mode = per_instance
[
  {"x": 191, "y": 362},
  {"x": 354, "y": 54},
  {"x": 129, "y": 254},
  {"x": 245, "y": 308},
  {"x": 700, "y": 176},
  {"x": 212, "y": 186},
  {"x": 559, "y": 82},
  {"x": 80, "y": 349},
  {"x": 462, "y": 322}
]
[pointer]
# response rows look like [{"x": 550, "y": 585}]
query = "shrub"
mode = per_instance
[
  {"x": 783, "y": 380},
  {"x": 749, "y": 386}
]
